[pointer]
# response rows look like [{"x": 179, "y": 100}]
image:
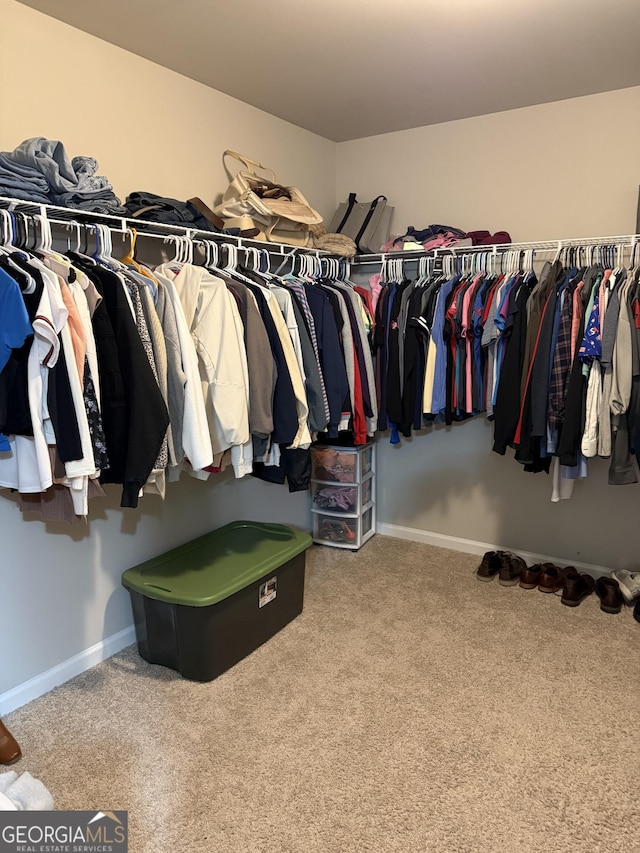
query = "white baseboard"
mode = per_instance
[
  {"x": 46, "y": 681},
  {"x": 472, "y": 546}
]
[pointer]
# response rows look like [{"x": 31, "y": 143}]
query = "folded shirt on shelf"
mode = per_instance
[{"x": 40, "y": 170}]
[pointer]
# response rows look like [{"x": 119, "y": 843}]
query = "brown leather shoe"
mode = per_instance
[
  {"x": 608, "y": 591},
  {"x": 9, "y": 749},
  {"x": 490, "y": 565},
  {"x": 530, "y": 577},
  {"x": 577, "y": 585},
  {"x": 551, "y": 578}
]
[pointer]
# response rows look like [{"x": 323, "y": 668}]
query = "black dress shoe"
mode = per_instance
[
  {"x": 577, "y": 586},
  {"x": 490, "y": 566},
  {"x": 511, "y": 569},
  {"x": 9, "y": 749},
  {"x": 608, "y": 591}
]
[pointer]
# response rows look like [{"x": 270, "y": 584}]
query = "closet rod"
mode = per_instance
[
  {"x": 500, "y": 248},
  {"x": 66, "y": 215}
]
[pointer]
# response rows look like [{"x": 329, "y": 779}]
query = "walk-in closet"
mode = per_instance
[{"x": 319, "y": 426}]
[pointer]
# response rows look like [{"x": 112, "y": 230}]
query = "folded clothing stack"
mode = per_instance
[
  {"x": 171, "y": 211},
  {"x": 442, "y": 237},
  {"x": 23, "y": 793},
  {"x": 23, "y": 182},
  {"x": 40, "y": 170},
  {"x": 486, "y": 238}
]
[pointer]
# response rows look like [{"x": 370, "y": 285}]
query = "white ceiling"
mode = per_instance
[{"x": 352, "y": 68}]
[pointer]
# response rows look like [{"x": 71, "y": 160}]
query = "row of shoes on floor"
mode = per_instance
[{"x": 572, "y": 585}]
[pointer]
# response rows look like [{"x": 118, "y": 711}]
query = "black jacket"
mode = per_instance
[{"x": 134, "y": 414}]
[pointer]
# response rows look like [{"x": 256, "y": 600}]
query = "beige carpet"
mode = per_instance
[{"x": 410, "y": 708}]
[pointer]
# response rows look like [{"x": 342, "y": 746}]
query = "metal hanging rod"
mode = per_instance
[
  {"x": 58, "y": 215},
  {"x": 628, "y": 240}
]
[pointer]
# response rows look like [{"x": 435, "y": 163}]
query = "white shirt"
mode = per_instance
[
  {"x": 213, "y": 318},
  {"x": 196, "y": 440}
]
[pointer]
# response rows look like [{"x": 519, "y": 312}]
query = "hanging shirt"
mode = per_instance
[
  {"x": 439, "y": 393},
  {"x": 214, "y": 320},
  {"x": 196, "y": 440},
  {"x": 15, "y": 327},
  {"x": 27, "y": 467},
  {"x": 134, "y": 413}
]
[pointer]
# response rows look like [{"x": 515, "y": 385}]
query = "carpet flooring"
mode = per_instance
[{"x": 409, "y": 708}]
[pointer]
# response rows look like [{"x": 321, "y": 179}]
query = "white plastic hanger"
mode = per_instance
[
  {"x": 8, "y": 235},
  {"x": 69, "y": 226}
]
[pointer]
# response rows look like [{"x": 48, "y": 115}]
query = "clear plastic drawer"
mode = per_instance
[
  {"x": 343, "y": 531},
  {"x": 341, "y": 464},
  {"x": 331, "y": 497}
]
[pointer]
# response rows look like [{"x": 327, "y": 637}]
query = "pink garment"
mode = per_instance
[
  {"x": 441, "y": 241},
  {"x": 368, "y": 301},
  {"x": 602, "y": 297},
  {"x": 375, "y": 286},
  {"x": 78, "y": 334},
  {"x": 466, "y": 316}
]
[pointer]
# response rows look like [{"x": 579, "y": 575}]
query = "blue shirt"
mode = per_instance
[
  {"x": 15, "y": 327},
  {"x": 439, "y": 398}
]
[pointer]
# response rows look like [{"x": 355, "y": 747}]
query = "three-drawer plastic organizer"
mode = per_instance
[{"x": 343, "y": 495}]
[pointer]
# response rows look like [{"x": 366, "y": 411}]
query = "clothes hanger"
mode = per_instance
[
  {"x": 289, "y": 256},
  {"x": 176, "y": 261},
  {"x": 44, "y": 239},
  {"x": 308, "y": 268},
  {"x": 9, "y": 249},
  {"x": 256, "y": 265},
  {"x": 7, "y": 231},
  {"x": 230, "y": 270},
  {"x": 383, "y": 270},
  {"x": 83, "y": 242},
  {"x": 69, "y": 226},
  {"x": 22, "y": 222},
  {"x": 102, "y": 253},
  {"x": 129, "y": 257}
]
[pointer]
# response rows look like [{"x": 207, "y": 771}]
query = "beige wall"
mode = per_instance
[
  {"x": 557, "y": 170},
  {"x": 565, "y": 169},
  {"x": 148, "y": 127}
]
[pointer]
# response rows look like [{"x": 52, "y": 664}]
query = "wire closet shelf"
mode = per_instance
[{"x": 69, "y": 216}]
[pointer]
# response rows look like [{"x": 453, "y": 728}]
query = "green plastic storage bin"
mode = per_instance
[{"x": 202, "y": 607}]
